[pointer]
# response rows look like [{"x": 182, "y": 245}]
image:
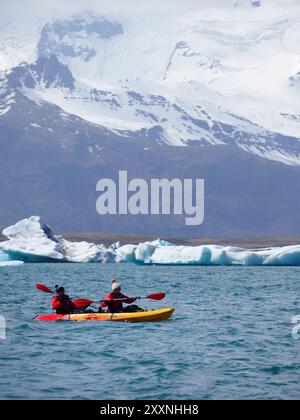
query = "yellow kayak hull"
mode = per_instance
[{"x": 146, "y": 316}]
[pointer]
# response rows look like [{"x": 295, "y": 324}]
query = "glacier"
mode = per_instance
[
  {"x": 224, "y": 72},
  {"x": 30, "y": 240}
]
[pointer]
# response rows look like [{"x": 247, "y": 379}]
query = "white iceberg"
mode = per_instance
[
  {"x": 30, "y": 240},
  {"x": 3, "y": 257},
  {"x": 6, "y": 262},
  {"x": 159, "y": 253},
  {"x": 11, "y": 263}
]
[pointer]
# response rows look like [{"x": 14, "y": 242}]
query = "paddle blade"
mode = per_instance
[
  {"x": 83, "y": 303},
  {"x": 50, "y": 317},
  {"x": 156, "y": 296},
  {"x": 44, "y": 289}
]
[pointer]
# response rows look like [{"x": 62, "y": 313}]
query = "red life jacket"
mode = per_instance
[
  {"x": 63, "y": 305},
  {"x": 116, "y": 305}
]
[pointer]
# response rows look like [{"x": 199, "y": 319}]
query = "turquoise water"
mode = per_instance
[{"x": 230, "y": 336}]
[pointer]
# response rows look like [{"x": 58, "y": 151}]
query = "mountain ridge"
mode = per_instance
[{"x": 66, "y": 119}]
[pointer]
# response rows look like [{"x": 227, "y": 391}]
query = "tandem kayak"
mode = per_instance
[{"x": 146, "y": 316}]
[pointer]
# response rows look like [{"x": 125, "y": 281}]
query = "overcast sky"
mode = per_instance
[
  {"x": 106, "y": 6},
  {"x": 50, "y": 7}
]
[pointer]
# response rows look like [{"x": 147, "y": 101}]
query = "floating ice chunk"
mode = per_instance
[
  {"x": 11, "y": 263},
  {"x": 5, "y": 261},
  {"x": 85, "y": 252},
  {"x": 3, "y": 257},
  {"x": 126, "y": 253},
  {"x": 141, "y": 253},
  {"x": 30, "y": 240},
  {"x": 288, "y": 255},
  {"x": 115, "y": 246},
  {"x": 160, "y": 243},
  {"x": 148, "y": 253}
]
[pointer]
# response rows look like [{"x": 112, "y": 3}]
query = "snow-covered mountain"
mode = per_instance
[
  {"x": 222, "y": 75},
  {"x": 227, "y": 75}
]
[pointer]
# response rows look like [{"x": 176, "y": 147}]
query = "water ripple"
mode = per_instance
[{"x": 230, "y": 336}]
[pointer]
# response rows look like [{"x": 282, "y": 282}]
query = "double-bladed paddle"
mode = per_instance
[
  {"x": 84, "y": 303},
  {"x": 44, "y": 289},
  {"x": 153, "y": 296},
  {"x": 80, "y": 303}
]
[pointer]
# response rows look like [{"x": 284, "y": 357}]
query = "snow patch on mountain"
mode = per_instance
[
  {"x": 6, "y": 101},
  {"x": 173, "y": 119},
  {"x": 255, "y": 3},
  {"x": 295, "y": 80},
  {"x": 19, "y": 35}
]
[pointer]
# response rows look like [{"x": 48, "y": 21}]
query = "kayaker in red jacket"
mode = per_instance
[
  {"x": 113, "y": 304},
  {"x": 62, "y": 303}
]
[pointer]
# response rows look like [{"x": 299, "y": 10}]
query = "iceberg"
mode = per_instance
[
  {"x": 11, "y": 263},
  {"x": 6, "y": 262},
  {"x": 160, "y": 253},
  {"x": 3, "y": 257},
  {"x": 30, "y": 240}
]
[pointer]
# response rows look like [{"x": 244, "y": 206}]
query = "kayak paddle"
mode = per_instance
[
  {"x": 83, "y": 303},
  {"x": 80, "y": 303},
  {"x": 154, "y": 296},
  {"x": 44, "y": 289}
]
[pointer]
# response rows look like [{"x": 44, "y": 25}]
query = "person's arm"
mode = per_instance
[
  {"x": 56, "y": 303},
  {"x": 128, "y": 299}
]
